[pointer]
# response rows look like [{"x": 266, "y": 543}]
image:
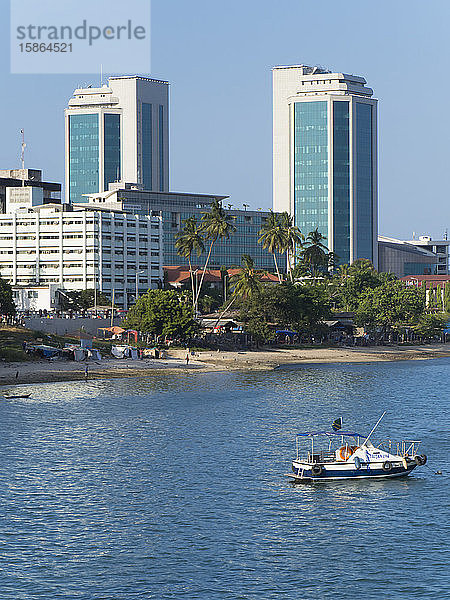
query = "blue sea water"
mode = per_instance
[{"x": 173, "y": 487}]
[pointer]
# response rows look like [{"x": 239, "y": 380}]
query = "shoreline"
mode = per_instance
[{"x": 208, "y": 361}]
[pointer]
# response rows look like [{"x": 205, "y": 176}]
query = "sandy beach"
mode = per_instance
[{"x": 45, "y": 371}]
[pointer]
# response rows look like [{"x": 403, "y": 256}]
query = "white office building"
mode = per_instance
[
  {"x": 77, "y": 248},
  {"x": 119, "y": 131},
  {"x": 439, "y": 247},
  {"x": 325, "y": 157}
]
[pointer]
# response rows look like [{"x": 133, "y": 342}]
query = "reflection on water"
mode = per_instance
[{"x": 172, "y": 487}]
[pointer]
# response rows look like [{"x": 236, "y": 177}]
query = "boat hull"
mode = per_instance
[{"x": 304, "y": 473}]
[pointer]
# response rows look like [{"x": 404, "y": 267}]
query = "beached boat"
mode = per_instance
[{"x": 349, "y": 455}]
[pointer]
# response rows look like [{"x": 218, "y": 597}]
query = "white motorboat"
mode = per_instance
[{"x": 349, "y": 455}]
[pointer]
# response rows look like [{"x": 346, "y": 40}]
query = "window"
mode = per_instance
[
  {"x": 84, "y": 156},
  {"x": 111, "y": 137},
  {"x": 147, "y": 135}
]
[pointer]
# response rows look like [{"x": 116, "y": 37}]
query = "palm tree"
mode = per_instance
[
  {"x": 216, "y": 224},
  {"x": 272, "y": 239},
  {"x": 190, "y": 240},
  {"x": 314, "y": 252},
  {"x": 293, "y": 237},
  {"x": 246, "y": 284}
]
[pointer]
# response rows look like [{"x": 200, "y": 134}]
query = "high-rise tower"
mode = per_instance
[
  {"x": 118, "y": 132},
  {"x": 325, "y": 157}
]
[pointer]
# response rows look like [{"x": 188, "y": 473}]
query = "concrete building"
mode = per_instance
[
  {"x": 403, "y": 258},
  {"x": 325, "y": 157},
  {"x": 174, "y": 207},
  {"x": 51, "y": 192},
  {"x": 119, "y": 131},
  {"x": 77, "y": 248},
  {"x": 439, "y": 247},
  {"x": 36, "y": 298}
]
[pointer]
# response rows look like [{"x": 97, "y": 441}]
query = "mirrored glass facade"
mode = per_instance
[
  {"x": 364, "y": 181},
  {"x": 161, "y": 147},
  {"x": 175, "y": 207},
  {"x": 341, "y": 181},
  {"x": 311, "y": 166},
  {"x": 84, "y": 156},
  {"x": 111, "y": 134},
  {"x": 147, "y": 134}
]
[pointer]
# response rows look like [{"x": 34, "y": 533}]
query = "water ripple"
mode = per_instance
[{"x": 173, "y": 488}]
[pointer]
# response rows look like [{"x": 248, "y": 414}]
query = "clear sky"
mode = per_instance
[{"x": 218, "y": 58}]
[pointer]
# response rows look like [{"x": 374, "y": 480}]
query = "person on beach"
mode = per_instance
[
  {"x": 86, "y": 372},
  {"x": 187, "y": 358}
]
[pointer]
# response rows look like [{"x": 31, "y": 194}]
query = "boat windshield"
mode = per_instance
[{"x": 325, "y": 443}]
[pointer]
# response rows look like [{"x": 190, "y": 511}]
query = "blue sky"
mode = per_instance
[{"x": 218, "y": 59}]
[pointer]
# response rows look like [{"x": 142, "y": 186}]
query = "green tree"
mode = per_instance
[
  {"x": 332, "y": 261},
  {"x": 7, "y": 306},
  {"x": 158, "y": 312},
  {"x": 288, "y": 306},
  {"x": 447, "y": 297},
  {"x": 83, "y": 299},
  {"x": 439, "y": 303},
  {"x": 216, "y": 224},
  {"x": 272, "y": 238},
  {"x": 390, "y": 305},
  {"x": 351, "y": 281},
  {"x": 188, "y": 241},
  {"x": 292, "y": 239},
  {"x": 246, "y": 284},
  {"x": 314, "y": 252},
  {"x": 431, "y": 325}
]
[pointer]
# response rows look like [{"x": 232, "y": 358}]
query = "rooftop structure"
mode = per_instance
[
  {"x": 14, "y": 178},
  {"x": 179, "y": 276}
]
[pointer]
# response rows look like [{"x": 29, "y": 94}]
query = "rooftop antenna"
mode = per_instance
[
  {"x": 22, "y": 156},
  {"x": 101, "y": 75}
]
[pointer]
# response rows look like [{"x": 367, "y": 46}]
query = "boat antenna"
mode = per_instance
[{"x": 376, "y": 425}]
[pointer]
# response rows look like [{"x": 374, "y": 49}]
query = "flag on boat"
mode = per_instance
[{"x": 337, "y": 424}]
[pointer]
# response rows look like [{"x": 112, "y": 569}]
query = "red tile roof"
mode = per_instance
[
  {"x": 181, "y": 274},
  {"x": 430, "y": 280}
]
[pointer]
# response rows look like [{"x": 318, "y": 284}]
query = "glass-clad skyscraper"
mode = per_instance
[
  {"x": 325, "y": 157},
  {"x": 119, "y": 131}
]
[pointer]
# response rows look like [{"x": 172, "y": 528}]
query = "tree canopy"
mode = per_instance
[
  {"x": 83, "y": 299},
  {"x": 285, "y": 306},
  {"x": 390, "y": 305},
  {"x": 168, "y": 313},
  {"x": 7, "y": 306},
  {"x": 272, "y": 238},
  {"x": 352, "y": 281}
]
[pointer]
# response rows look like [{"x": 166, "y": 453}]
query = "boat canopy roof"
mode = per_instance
[{"x": 349, "y": 433}]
